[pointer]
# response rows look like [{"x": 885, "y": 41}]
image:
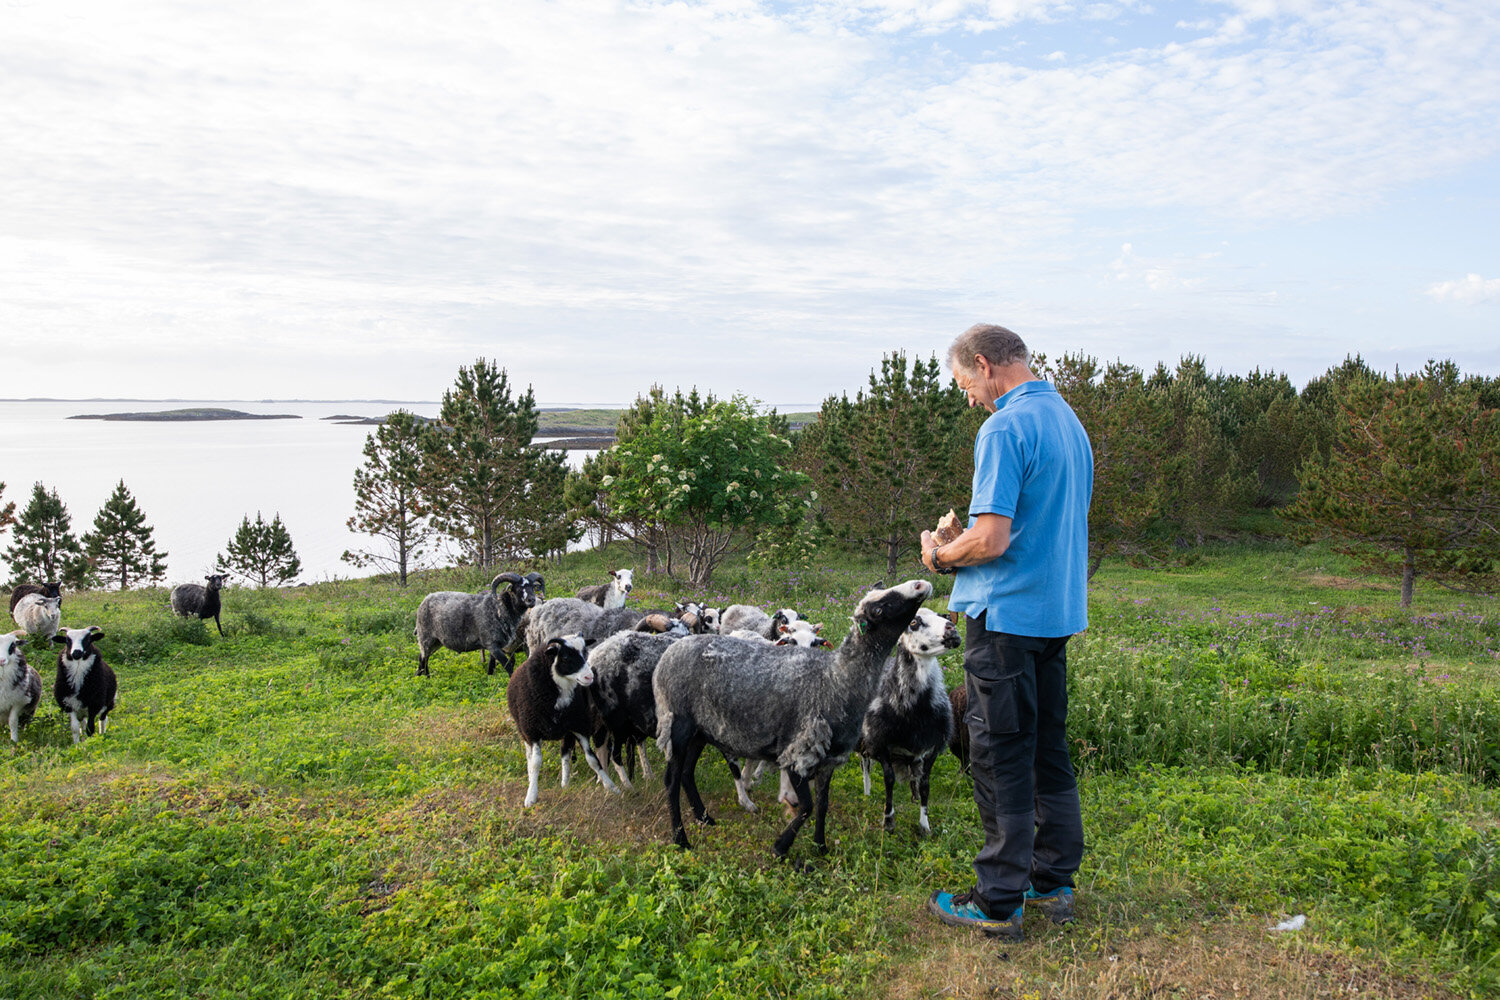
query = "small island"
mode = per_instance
[{"x": 191, "y": 413}]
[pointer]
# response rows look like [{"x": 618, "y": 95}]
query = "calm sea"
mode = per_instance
[{"x": 195, "y": 481}]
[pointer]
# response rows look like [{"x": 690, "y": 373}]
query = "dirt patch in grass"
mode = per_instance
[
  {"x": 1238, "y": 959},
  {"x": 1348, "y": 583},
  {"x": 440, "y": 730}
]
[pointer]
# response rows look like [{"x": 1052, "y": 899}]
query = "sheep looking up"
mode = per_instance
[
  {"x": 801, "y": 708},
  {"x": 911, "y": 719},
  {"x": 484, "y": 621}
]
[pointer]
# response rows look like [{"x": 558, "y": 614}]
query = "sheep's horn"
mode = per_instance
[{"x": 504, "y": 578}]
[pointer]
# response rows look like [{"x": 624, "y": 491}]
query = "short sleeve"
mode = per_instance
[{"x": 998, "y": 468}]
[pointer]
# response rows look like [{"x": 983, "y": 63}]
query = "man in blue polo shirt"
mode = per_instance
[{"x": 1021, "y": 583}]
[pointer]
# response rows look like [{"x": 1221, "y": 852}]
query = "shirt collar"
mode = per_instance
[{"x": 1024, "y": 389}]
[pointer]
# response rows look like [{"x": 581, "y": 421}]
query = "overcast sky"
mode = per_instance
[{"x": 351, "y": 198}]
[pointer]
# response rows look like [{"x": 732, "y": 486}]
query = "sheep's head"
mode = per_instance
[
  {"x": 622, "y": 580},
  {"x": 216, "y": 580},
  {"x": 929, "y": 634},
  {"x": 78, "y": 643},
  {"x": 12, "y": 652},
  {"x": 521, "y": 591},
  {"x": 891, "y": 610},
  {"x": 567, "y": 659},
  {"x": 801, "y": 633}
]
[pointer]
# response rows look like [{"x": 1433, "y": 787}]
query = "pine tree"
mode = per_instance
[
  {"x": 44, "y": 547},
  {"x": 262, "y": 552},
  {"x": 1412, "y": 481},
  {"x": 388, "y": 499},
  {"x": 7, "y": 511},
  {"x": 487, "y": 486},
  {"x": 121, "y": 546},
  {"x": 893, "y": 460}
]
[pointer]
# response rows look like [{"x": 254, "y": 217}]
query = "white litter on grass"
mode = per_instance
[{"x": 1294, "y": 924}]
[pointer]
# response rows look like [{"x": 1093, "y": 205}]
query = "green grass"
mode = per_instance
[{"x": 288, "y": 811}]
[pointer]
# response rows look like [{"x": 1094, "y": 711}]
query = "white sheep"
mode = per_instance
[
  {"x": 39, "y": 615},
  {"x": 20, "y": 685},
  {"x": 611, "y": 594}
]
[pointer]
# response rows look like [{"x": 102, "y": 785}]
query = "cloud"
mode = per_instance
[{"x": 1470, "y": 290}]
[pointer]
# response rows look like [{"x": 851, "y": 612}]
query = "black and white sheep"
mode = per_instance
[
  {"x": 546, "y": 704},
  {"x": 85, "y": 685},
  {"x": 52, "y": 588},
  {"x": 621, "y": 695},
  {"x": 611, "y": 594},
  {"x": 484, "y": 621},
  {"x": 20, "y": 685},
  {"x": 194, "y": 600},
  {"x": 800, "y": 708},
  {"x": 38, "y": 615},
  {"x": 910, "y": 722}
]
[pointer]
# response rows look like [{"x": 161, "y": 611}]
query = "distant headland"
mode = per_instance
[{"x": 191, "y": 413}]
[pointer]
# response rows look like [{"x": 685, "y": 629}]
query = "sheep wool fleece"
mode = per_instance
[{"x": 1033, "y": 463}]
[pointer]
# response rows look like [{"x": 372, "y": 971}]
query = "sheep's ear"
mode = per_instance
[
  {"x": 60, "y": 637},
  {"x": 818, "y": 627}
]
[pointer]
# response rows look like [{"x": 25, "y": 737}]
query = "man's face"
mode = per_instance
[{"x": 976, "y": 385}]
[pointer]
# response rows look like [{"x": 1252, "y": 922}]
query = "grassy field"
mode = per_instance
[{"x": 288, "y": 812}]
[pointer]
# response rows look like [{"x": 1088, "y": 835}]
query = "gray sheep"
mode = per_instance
[
  {"x": 748, "y": 617},
  {"x": 52, "y": 588},
  {"x": 38, "y": 615},
  {"x": 801, "y": 708},
  {"x": 193, "y": 600},
  {"x": 484, "y": 621}
]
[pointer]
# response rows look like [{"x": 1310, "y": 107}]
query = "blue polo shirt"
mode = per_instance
[{"x": 1033, "y": 464}]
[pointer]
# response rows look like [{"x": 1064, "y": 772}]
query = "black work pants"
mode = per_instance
[{"x": 1023, "y": 777}]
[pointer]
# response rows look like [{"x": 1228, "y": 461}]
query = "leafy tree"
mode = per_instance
[
  {"x": 487, "y": 486},
  {"x": 120, "y": 546},
  {"x": 262, "y": 552},
  {"x": 888, "y": 463},
  {"x": 44, "y": 547},
  {"x": 1412, "y": 481},
  {"x": 1125, "y": 425},
  {"x": 589, "y": 502},
  {"x": 388, "y": 496},
  {"x": 708, "y": 470}
]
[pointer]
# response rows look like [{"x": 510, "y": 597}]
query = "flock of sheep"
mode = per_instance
[{"x": 766, "y": 690}]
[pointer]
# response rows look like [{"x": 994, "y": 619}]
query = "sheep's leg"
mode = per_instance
[
  {"x": 864, "y": 766},
  {"x": 742, "y": 784},
  {"x": 15, "y": 724},
  {"x": 77, "y": 725},
  {"x": 618, "y": 750},
  {"x": 594, "y": 765},
  {"x": 784, "y": 842},
  {"x": 786, "y": 793},
  {"x": 533, "y": 773},
  {"x": 678, "y": 738},
  {"x": 820, "y": 821},
  {"x": 217, "y": 625},
  {"x": 567, "y": 761},
  {"x": 890, "y": 791},
  {"x": 646, "y": 771},
  {"x": 693, "y": 751},
  {"x": 104, "y": 722},
  {"x": 924, "y": 786}
]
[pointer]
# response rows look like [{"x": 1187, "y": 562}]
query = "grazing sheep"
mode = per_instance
[
  {"x": 85, "y": 685},
  {"x": 484, "y": 621},
  {"x": 20, "y": 685},
  {"x": 801, "y": 708},
  {"x": 38, "y": 615},
  {"x": 195, "y": 600},
  {"x": 611, "y": 594},
  {"x": 545, "y": 702},
  {"x": 911, "y": 719},
  {"x": 52, "y": 588}
]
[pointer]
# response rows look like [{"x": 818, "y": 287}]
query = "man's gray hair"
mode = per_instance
[{"x": 998, "y": 345}]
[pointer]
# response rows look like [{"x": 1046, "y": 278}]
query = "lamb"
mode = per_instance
[
  {"x": 20, "y": 685},
  {"x": 195, "y": 600},
  {"x": 747, "y": 616},
  {"x": 52, "y": 588},
  {"x": 911, "y": 719},
  {"x": 544, "y": 701},
  {"x": 485, "y": 621},
  {"x": 611, "y": 594},
  {"x": 85, "y": 685},
  {"x": 802, "y": 708},
  {"x": 38, "y": 615}
]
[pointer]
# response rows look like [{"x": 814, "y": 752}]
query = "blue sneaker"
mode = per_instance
[
  {"x": 961, "y": 911},
  {"x": 1057, "y": 904}
]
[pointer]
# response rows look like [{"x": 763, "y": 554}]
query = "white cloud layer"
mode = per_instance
[
  {"x": 353, "y": 198},
  {"x": 1469, "y": 290}
]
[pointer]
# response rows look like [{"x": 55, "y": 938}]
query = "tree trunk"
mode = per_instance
[
  {"x": 1408, "y": 576},
  {"x": 892, "y": 550}
]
